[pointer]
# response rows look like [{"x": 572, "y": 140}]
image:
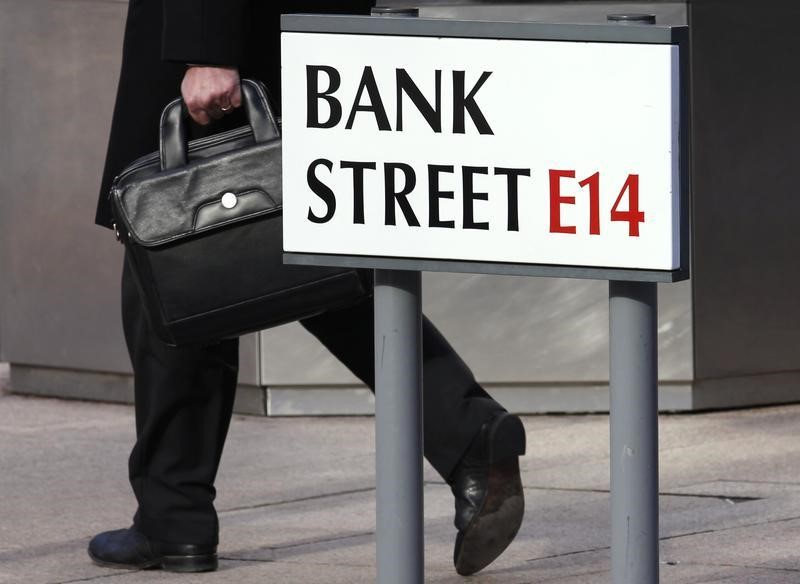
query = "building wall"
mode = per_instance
[{"x": 539, "y": 344}]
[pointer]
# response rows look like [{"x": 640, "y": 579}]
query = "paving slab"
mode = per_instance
[{"x": 297, "y": 499}]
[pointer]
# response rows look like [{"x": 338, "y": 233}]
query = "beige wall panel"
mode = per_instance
[
  {"x": 59, "y": 62},
  {"x": 508, "y": 329}
]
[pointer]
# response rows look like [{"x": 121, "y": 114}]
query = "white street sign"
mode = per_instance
[{"x": 535, "y": 152}]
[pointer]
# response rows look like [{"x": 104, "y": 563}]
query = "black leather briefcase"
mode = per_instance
[{"x": 202, "y": 227}]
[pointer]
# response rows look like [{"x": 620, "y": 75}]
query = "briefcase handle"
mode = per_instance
[{"x": 173, "y": 129}]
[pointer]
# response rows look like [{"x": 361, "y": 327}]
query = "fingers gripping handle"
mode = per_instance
[{"x": 173, "y": 128}]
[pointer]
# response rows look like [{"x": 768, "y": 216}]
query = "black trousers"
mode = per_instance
[{"x": 184, "y": 400}]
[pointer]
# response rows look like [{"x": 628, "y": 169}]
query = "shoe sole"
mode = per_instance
[
  {"x": 497, "y": 522},
  {"x": 198, "y": 563}
]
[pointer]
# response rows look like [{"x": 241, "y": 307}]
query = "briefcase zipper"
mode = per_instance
[{"x": 194, "y": 145}]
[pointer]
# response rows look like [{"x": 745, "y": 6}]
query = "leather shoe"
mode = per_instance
[
  {"x": 488, "y": 491},
  {"x": 129, "y": 549}
]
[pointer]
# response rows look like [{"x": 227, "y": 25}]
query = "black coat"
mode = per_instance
[{"x": 161, "y": 36}]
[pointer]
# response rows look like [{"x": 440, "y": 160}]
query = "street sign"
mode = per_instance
[
  {"x": 503, "y": 151},
  {"x": 492, "y": 147}
]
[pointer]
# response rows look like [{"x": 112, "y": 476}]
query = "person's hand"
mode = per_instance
[{"x": 210, "y": 92}]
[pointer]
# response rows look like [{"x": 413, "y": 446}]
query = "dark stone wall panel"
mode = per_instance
[{"x": 746, "y": 92}]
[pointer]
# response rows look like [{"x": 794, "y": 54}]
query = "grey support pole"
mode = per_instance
[
  {"x": 633, "y": 314},
  {"x": 398, "y": 414},
  {"x": 398, "y": 426},
  {"x": 634, "y": 432}
]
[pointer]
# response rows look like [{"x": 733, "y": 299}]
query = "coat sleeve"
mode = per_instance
[{"x": 208, "y": 32}]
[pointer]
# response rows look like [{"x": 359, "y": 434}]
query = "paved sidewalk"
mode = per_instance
[{"x": 296, "y": 499}]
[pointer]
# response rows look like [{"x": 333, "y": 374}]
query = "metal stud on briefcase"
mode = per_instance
[{"x": 202, "y": 228}]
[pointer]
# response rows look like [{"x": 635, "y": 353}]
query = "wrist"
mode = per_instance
[{"x": 210, "y": 66}]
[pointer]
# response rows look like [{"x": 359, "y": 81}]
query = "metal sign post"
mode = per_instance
[
  {"x": 492, "y": 158},
  {"x": 398, "y": 416},
  {"x": 633, "y": 386},
  {"x": 634, "y": 432},
  {"x": 398, "y": 426}
]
